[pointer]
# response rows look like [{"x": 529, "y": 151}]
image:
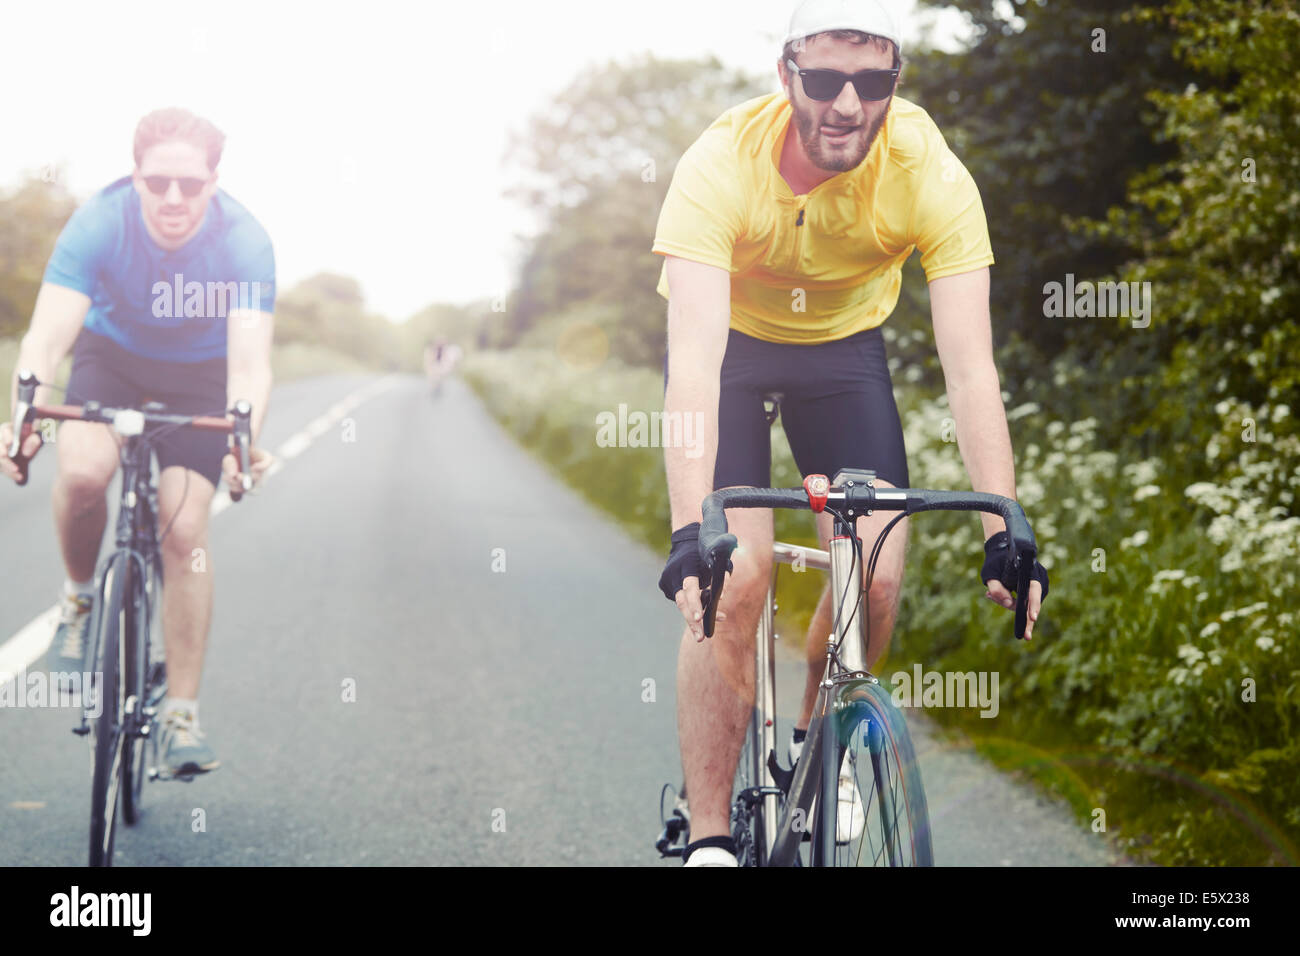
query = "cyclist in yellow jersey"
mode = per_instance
[{"x": 784, "y": 234}]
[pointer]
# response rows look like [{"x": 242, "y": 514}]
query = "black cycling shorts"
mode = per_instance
[
  {"x": 837, "y": 408},
  {"x": 105, "y": 372}
]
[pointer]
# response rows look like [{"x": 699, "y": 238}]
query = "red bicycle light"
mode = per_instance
[{"x": 817, "y": 486}]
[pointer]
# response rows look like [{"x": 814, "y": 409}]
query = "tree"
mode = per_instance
[
  {"x": 1048, "y": 110},
  {"x": 1217, "y": 225},
  {"x": 594, "y": 169},
  {"x": 329, "y": 309},
  {"x": 31, "y": 218}
]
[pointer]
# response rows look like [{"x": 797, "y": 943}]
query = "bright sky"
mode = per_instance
[{"x": 368, "y": 138}]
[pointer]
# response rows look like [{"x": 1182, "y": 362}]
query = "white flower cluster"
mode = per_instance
[
  {"x": 1161, "y": 578},
  {"x": 1252, "y": 525}
]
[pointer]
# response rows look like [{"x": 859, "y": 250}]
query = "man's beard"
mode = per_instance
[{"x": 832, "y": 159}]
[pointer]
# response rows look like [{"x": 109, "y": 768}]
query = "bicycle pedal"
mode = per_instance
[
  {"x": 780, "y": 776},
  {"x": 164, "y": 775}
]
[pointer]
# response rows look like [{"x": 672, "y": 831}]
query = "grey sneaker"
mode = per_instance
[
  {"x": 67, "y": 654},
  {"x": 184, "y": 751}
]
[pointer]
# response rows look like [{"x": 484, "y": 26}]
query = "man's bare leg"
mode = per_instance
[
  {"x": 88, "y": 458},
  {"x": 187, "y": 575},
  {"x": 715, "y": 680}
]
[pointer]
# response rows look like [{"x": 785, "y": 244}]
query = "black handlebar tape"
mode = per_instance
[
  {"x": 717, "y": 545},
  {"x": 1023, "y": 550}
]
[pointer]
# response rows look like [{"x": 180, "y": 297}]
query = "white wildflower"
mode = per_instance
[{"x": 1135, "y": 540}]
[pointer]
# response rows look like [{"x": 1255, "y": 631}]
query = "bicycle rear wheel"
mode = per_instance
[
  {"x": 892, "y": 827},
  {"x": 747, "y": 814},
  {"x": 106, "y": 727}
]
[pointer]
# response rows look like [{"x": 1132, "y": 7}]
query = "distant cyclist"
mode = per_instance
[
  {"x": 440, "y": 359},
  {"x": 784, "y": 235},
  {"x": 166, "y": 286}
]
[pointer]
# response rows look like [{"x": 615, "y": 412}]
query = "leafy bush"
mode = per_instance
[{"x": 1167, "y": 645}]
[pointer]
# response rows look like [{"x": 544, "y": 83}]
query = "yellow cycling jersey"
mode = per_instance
[{"x": 825, "y": 265}]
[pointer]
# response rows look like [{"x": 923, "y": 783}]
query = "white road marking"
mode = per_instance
[{"x": 30, "y": 643}]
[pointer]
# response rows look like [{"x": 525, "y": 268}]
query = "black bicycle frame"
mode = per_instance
[{"x": 136, "y": 542}]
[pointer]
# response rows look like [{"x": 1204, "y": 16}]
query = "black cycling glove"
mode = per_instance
[
  {"x": 683, "y": 561},
  {"x": 996, "y": 551}
]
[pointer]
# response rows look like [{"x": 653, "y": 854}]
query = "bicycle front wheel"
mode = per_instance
[
  {"x": 106, "y": 724},
  {"x": 137, "y": 662},
  {"x": 880, "y": 811}
]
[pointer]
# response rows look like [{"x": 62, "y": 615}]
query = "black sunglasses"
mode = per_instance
[
  {"x": 190, "y": 187},
  {"x": 825, "y": 85}
]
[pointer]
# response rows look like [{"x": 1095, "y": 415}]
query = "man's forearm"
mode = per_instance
[
  {"x": 983, "y": 438},
  {"x": 254, "y": 385},
  {"x": 690, "y": 468}
]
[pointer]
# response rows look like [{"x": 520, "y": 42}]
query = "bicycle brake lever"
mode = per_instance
[
  {"x": 20, "y": 459},
  {"x": 711, "y": 596},
  {"x": 1024, "y": 576},
  {"x": 243, "y": 413},
  {"x": 22, "y": 424}
]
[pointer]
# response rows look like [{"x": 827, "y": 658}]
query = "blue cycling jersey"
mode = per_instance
[{"x": 170, "y": 306}]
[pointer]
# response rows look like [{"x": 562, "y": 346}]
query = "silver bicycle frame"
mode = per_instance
[
  {"x": 781, "y": 838},
  {"x": 765, "y": 685}
]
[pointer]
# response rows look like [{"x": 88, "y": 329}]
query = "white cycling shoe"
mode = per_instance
[
  {"x": 712, "y": 856},
  {"x": 850, "y": 818}
]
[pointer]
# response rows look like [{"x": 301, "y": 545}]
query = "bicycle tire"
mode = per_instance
[
  {"x": 877, "y": 747},
  {"x": 136, "y": 663},
  {"x": 106, "y": 729}
]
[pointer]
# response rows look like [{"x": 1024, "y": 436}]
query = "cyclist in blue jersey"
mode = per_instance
[{"x": 162, "y": 286}]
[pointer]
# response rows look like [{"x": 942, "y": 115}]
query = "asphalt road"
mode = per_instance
[{"x": 425, "y": 650}]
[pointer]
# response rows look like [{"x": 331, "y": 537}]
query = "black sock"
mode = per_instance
[
  {"x": 800, "y": 735},
  {"x": 726, "y": 842}
]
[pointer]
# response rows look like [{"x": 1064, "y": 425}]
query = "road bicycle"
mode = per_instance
[
  {"x": 856, "y": 730},
  {"x": 128, "y": 678}
]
